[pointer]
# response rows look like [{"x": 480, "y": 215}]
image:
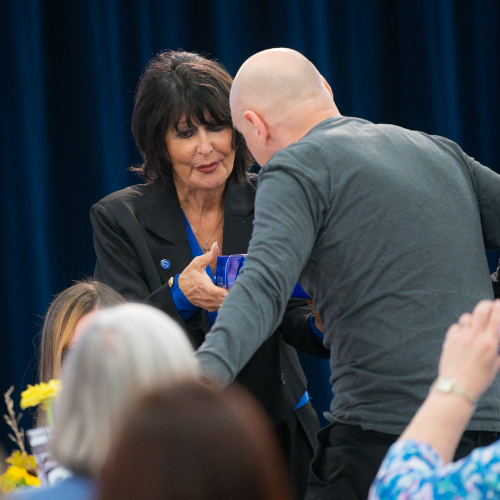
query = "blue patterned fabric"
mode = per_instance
[{"x": 414, "y": 471}]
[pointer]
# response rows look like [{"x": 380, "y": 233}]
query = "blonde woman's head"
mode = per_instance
[
  {"x": 63, "y": 316},
  {"x": 124, "y": 351}
]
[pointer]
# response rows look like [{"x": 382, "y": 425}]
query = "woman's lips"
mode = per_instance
[{"x": 209, "y": 167}]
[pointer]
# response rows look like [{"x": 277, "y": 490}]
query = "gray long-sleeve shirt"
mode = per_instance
[{"x": 386, "y": 229}]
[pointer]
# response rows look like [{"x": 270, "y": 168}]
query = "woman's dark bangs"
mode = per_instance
[
  {"x": 180, "y": 107},
  {"x": 204, "y": 107},
  {"x": 217, "y": 107}
]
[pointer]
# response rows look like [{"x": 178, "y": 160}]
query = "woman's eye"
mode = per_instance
[
  {"x": 184, "y": 134},
  {"x": 217, "y": 128}
]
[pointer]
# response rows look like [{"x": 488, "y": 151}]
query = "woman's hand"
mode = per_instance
[
  {"x": 470, "y": 357},
  {"x": 197, "y": 286},
  {"x": 470, "y": 350}
]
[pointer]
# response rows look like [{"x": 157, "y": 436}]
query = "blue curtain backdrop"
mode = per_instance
[{"x": 68, "y": 72}]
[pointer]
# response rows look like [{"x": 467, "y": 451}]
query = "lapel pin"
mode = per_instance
[{"x": 165, "y": 264}]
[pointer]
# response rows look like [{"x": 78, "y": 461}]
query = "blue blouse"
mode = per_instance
[
  {"x": 184, "y": 307},
  {"x": 413, "y": 470}
]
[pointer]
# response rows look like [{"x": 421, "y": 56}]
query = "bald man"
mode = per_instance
[{"x": 386, "y": 229}]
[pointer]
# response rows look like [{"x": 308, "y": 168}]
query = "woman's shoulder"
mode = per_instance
[
  {"x": 129, "y": 194},
  {"x": 138, "y": 203},
  {"x": 240, "y": 198}
]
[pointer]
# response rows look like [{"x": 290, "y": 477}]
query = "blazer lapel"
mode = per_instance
[
  {"x": 166, "y": 231},
  {"x": 167, "y": 238},
  {"x": 165, "y": 216},
  {"x": 238, "y": 218}
]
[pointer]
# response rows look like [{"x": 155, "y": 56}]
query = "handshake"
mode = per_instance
[{"x": 228, "y": 268}]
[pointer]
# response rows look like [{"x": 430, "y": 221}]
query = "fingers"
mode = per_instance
[
  {"x": 203, "y": 293},
  {"x": 465, "y": 319},
  {"x": 480, "y": 316},
  {"x": 470, "y": 351},
  {"x": 198, "y": 287},
  {"x": 215, "y": 248},
  {"x": 494, "y": 322},
  {"x": 214, "y": 298},
  {"x": 215, "y": 306},
  {"x": 485, "y": 320},
  {"x": 206, "y": 259}
]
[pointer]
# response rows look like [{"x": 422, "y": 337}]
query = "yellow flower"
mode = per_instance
[
  {"x": 22, "y": 460},
  {"x": 31, "y": 480},
  {"x": 15, "y": 473},
  {"x": 6, "y": 486},
  {"x": 17, "y": 477},
  {"x": 40, "y": 393}
]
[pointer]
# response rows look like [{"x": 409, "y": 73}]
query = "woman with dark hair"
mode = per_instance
[
  {"x": 158, "y": 242},
  {"x": 185, "y": 85},
  {"x": 184, "y": 441}
]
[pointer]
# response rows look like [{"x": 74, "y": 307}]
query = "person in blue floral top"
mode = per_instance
[{"x": 418, "y": 466}]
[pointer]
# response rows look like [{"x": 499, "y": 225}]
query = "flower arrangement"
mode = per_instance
[
  {"x": 22, "y": 470},
  {"x": 21, "y": 473}
]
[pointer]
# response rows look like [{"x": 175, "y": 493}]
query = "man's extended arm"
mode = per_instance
[{"x": 286, "y": 223}]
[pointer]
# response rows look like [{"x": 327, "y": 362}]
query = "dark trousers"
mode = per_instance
[
  {"x": 297, "y": 435},
  {"x": 347, "y": 460}
]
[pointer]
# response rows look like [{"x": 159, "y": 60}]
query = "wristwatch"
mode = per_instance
[{"x": 449, "y": 385}]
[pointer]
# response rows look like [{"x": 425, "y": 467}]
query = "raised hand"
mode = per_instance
[
  {"x": 197, "y": 286},
  {"x": 470, "y": 350}
]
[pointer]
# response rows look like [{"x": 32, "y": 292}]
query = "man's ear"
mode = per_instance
[
  {"x": 259, "y": 125},
  {"x": 327, "y": 85}
]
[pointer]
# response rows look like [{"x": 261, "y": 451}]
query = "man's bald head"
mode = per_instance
[
  {"x": 285, "y": 90},
  {"x": 276, "y": 77}
]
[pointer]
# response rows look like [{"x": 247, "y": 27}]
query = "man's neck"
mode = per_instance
[{"x": 291, "y": 133}]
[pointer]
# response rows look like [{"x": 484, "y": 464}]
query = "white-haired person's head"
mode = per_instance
[{"x": 124, "y": 351}]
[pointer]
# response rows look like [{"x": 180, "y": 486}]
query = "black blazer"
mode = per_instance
[{"x": 135, "y": 229}]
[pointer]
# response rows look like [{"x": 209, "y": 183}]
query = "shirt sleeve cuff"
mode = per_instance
[
  {"x": 182, "y": 304},
  {"x": 214, "y": 368},
  {"x": 316, "y": 335}
]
